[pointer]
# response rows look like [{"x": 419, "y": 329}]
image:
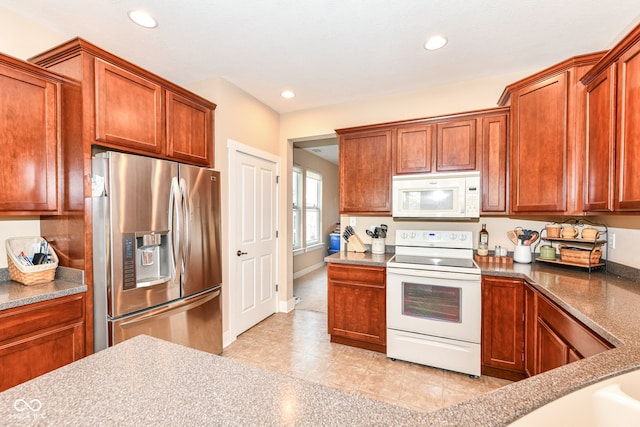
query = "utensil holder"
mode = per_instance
[
  {"x": 522, "y": 254},
  {"x": 378, "y": 246}
]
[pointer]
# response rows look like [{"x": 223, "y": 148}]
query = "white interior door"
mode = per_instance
[{"x": 255, "y": 201}]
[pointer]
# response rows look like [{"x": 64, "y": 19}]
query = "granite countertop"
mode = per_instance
[
  {"x": 147, "y": 381},
  {"x": 360, "y": 258},
  {"x": 67, "y": 281}
]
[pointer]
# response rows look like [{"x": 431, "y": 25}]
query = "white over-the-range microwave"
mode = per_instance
[{"x": 437, "y": 196}]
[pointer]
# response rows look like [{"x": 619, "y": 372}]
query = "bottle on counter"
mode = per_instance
[{"x": 483, "y": 241}]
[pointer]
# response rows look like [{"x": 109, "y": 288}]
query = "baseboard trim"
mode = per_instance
[
  {"x": 286, "y": 306},
  {"x": 308, "y": 270}
]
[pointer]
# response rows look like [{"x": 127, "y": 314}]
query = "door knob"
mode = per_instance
[{"x": 240, "y": 253}]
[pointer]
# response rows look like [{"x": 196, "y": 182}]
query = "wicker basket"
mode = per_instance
[
  {"x": 553, "y": 232},
  {"x": 581, "y": 256},
  {"x": 29, "y": 274}
]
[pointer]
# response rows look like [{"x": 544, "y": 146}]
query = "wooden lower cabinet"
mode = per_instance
[
  {"x": 38, "y": 338},
  {"x": 503, "y": 327},
  {"x": 525, "y": 334},
  {"x": 559, "y": 338},
  {"x": 357, "y": 306}
]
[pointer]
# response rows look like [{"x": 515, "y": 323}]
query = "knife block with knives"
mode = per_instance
[{"x": 354, "y": 244}]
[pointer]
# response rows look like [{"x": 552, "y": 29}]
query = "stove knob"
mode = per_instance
[
  {"x": 463, "y": 236},
  {"x": 412, "y": 235},
  {"x": 453, "y": 236},
  {"x": 403, "y": 235}
]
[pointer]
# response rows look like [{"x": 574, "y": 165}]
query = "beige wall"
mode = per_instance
[{"x": 307, "y": 261}]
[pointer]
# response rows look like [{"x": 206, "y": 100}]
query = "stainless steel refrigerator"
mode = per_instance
[{"x": 156, "y": 251}]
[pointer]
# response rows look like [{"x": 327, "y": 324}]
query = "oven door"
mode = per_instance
[{"x": 436, "y": 303}]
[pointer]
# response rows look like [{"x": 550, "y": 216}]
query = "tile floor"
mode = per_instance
[{"x": 297, "y": 344}]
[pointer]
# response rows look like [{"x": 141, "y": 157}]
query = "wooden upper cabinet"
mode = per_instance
[
  {"x": 131, "y": 109},
  {"x": 29, "y": 139},
  {"x": 456, "y": 146},
  {"x": 493, "y": 173},
  {"x": 547, "y": 139},
  {"x": 599, "y": 185},
  {"x": 189, "y": 129},
  {"x": 539, "y": 147},
  {"x": 613, "y": 129},
  {"x": 627, "y": 197},
  {"x": 365, "y": 171},
  {"x": 128, "y": 109},
  {"x": 413, "y": 149}
]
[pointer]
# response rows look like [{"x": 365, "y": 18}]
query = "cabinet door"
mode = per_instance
[
  {"x": 189, "y": 130},
  {"x": 530, "y": 330},
  {"x": 561, "y": 338},
  {"x": 494, "y": 164},
  {"x": 128, "y": 109},
  {"x": 600, "y": 148},
  {"x": 628, "y": 140},
  {"x": 357, "y": 306},
  {"x": 38, "y": 338},
  {"x": 413, "y": 149},
  {"x": 365, "y": 173},
  {"x": 22, "y": 361},
  {"x": 456, "y": 146},
  {"x": 539, "y": 147},
  {"x": 29, "y": 109},
  {"x": 503, "y": 324},
  {"x": 552, "y": 351}
]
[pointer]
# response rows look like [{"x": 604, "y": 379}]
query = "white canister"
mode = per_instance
[
  {"x": 377, "y": 246},
  {"x": 522, "y": 254}
]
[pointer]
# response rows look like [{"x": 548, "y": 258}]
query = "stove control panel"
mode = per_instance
[{"x": 435, "y": 238}]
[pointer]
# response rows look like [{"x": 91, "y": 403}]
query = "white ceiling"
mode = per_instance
[{"x": 335, "y": 51}]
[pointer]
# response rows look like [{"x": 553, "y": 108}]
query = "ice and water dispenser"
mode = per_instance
[{"x": 146, "y": 259}]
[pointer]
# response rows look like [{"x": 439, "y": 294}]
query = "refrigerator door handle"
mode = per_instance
[
  {"x": 185, "y": 220},
  {"x": 175, "y": 222},
  {"x": 169, "y": 309}
]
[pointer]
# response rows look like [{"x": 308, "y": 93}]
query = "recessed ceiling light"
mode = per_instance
[
  {"x": 287, "y": 94},
  {"x": 142, "y": 18},
  {"x": 435, "y": 43}
]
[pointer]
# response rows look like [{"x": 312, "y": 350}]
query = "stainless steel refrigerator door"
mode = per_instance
[
  {"x": 194, "y": 322},
  {"x": 137, "y": 200},
  {"x": 201, "y": 230}
]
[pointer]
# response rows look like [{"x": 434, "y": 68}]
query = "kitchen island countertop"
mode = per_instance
[{"x": 147, "y": 381}]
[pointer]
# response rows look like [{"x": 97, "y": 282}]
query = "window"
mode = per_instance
[
  {"x": 313, "y": 197},
  {"x": 307, "y": 205},
  {"x": 297, "y": 207}
]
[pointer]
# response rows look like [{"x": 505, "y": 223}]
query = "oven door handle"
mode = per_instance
[{"x": 434, "y": 274}]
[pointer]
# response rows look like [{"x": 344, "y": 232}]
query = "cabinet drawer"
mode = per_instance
[
  {"x": 369, "y": 275},
  {"x": 578, "y": 336},
  {"x": 33, "y": 318}
]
